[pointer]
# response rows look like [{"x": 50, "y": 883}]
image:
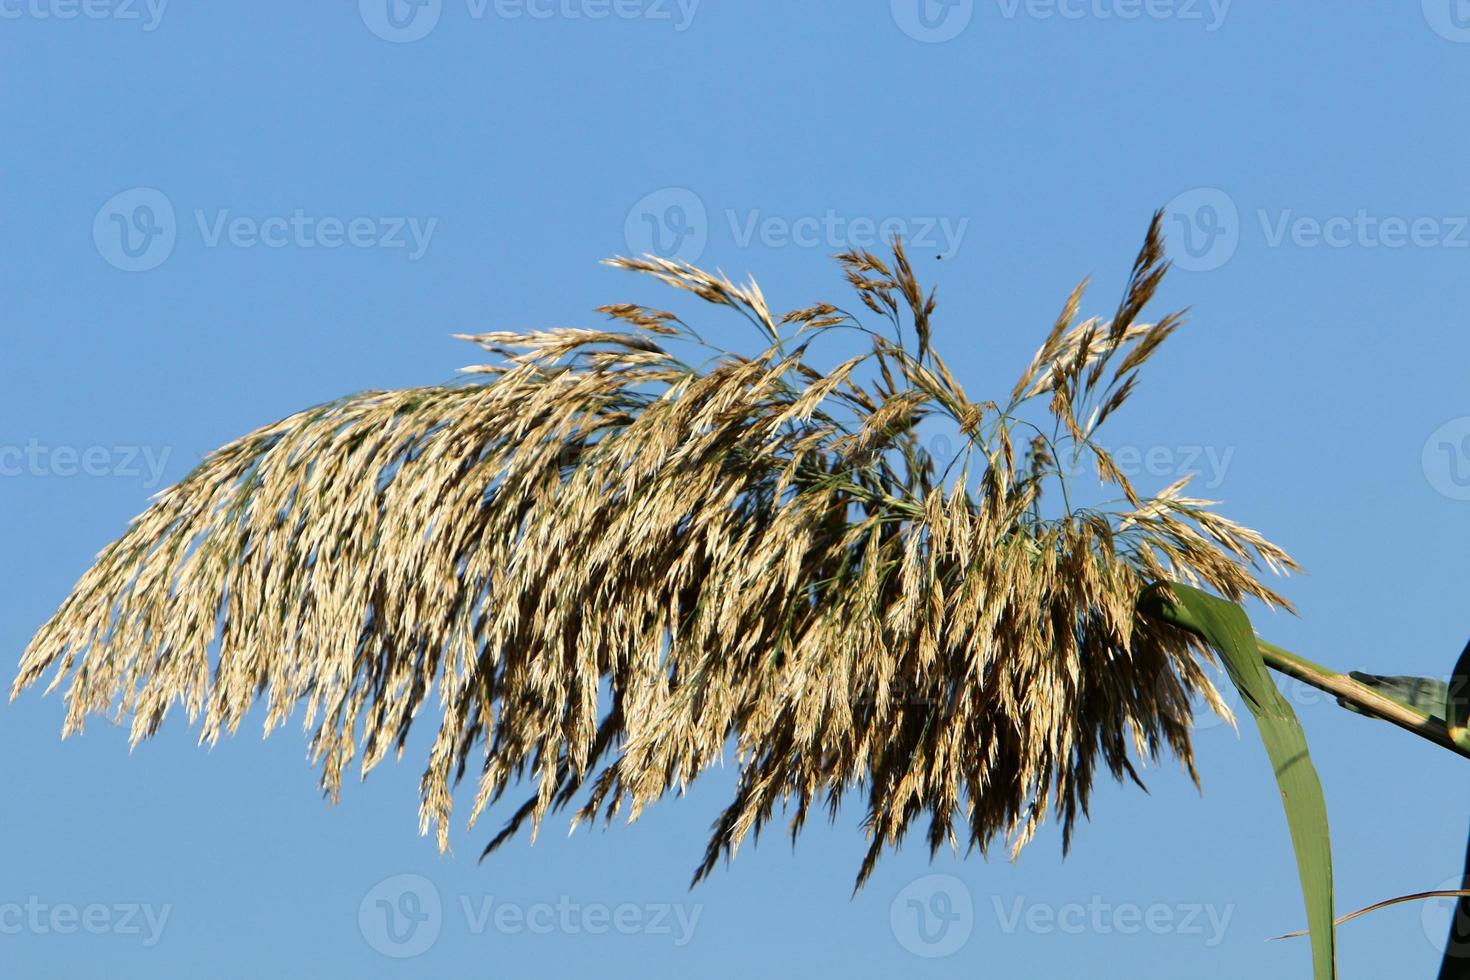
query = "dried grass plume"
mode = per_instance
[{"x": 609, "y": 558}]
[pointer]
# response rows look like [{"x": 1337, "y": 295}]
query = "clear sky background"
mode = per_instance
[{"x": 179, "y": 195}]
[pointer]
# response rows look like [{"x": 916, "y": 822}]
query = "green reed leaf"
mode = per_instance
[{"x": 1227, "y": 629}]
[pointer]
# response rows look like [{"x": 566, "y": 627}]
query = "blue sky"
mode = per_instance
[{"x": 215, "y": 214}]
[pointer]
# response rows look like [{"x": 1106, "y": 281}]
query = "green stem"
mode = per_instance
[{"x": 1365, "y": 699}]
